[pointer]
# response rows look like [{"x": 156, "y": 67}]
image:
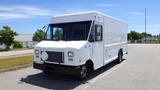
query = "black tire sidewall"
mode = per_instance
[
  {"x": 120, "y": 57},
  {"x": 80, "y": 75}
]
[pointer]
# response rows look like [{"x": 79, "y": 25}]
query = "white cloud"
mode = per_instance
[
  {"x": 15, "y": 12},
  {"x": 34, "y": 11},
  {"x": 106, "y": 5},
  {"x": 21, "y": 12},
  {"x": 12, "y": 16}
]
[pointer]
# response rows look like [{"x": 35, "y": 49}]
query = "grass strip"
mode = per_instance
[{"x": 15, "y": 62}]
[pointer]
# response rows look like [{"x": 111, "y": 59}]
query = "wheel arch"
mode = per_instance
[
  {"x": 90, "y": 65},
  {"x": 120, "y": 51}
]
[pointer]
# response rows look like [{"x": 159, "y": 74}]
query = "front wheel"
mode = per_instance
[{"x": 83, "y": 72}]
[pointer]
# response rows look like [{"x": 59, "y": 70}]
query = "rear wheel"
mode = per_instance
[{"x": 120, "y": 57}]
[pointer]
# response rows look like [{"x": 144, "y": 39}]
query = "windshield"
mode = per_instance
[{"x": 68, "y": 31}]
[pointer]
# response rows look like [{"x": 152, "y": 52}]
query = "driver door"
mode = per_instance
[{"x": 96, "y": 39}]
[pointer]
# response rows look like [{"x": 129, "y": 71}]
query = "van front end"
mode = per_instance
[
  {"x": 65, "y": 49},
  {"x": 59, "y": 56}
]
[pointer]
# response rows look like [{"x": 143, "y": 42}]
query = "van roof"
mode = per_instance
[{"x": 89, "y": 12}]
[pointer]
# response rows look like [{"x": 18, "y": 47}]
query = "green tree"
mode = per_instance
[
  {"x": 146, "y": 34},
  {"x": 7, "y": 36},
  {"x": 159, "y": 38},
  {"x": 38, "y": 35},
  {"x": 129, "y": 37},
  {"x": 17, "y": 44},
  {"x": 133, "y": 35}
]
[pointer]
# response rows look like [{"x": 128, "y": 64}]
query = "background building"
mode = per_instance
[{"x": 25, "y": 39}]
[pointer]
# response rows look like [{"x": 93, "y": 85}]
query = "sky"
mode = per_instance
[{"x": 26, "y": 16}]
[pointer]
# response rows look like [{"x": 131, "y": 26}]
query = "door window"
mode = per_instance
[{"x": 98, "y": 32}]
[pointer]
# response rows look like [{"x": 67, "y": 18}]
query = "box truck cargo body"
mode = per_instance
[{"x": 80, "y": 43}]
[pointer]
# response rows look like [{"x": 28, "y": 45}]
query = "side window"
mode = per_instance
[{"x": 98, "y": 32}]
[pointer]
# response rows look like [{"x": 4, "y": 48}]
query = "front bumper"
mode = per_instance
[{"x": 73, "y": 70}]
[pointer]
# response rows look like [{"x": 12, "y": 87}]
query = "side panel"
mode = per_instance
[
  {"x": 97, "y": 54},
  {"x": 115, "y": 38}
]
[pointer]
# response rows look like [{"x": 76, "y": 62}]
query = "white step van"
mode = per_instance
[{"x": 80, "y": 43}]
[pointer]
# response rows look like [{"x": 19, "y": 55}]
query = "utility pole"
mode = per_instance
[{"x": 145, "y": 25}]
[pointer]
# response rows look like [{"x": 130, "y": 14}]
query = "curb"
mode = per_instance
[{"x": 12, "y": 56}]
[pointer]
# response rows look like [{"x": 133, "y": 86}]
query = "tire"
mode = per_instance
[
  {"x": 120, "y": 57},
  {"x": 83, "y": 72}
]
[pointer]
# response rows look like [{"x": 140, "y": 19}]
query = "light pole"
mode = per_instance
[{"x": 145, "y": 25}]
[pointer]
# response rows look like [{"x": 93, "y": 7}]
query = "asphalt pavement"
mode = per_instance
[{"x": 140, "y": 70}]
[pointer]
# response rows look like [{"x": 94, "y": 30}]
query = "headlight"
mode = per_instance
[
  {"x": 70, "y": 54},
  {"x": 37, "y": 53}
]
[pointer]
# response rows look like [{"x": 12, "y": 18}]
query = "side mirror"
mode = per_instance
[{"x": 44, "y": 27}]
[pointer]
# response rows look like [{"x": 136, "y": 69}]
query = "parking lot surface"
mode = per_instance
[{"x": 139, "y": 71}]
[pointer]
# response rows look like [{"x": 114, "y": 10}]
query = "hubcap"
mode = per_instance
[{"x": 83, "y": 71}]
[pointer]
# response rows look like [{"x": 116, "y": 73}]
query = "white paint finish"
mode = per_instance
[
  {"x": 110, "y": 45},
  {"x": 72, "y": 18},
  {"x": 83, "y": 16},
  {"x": 97, "y": 54},
  {"x": 79, "y": 48},
  {"x": 115, "y": 38},
  {"x": 101, "y": 53},
  {"x": 61, "y": 44}
]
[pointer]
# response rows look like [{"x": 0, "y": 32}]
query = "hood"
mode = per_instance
[{"x": 61, "y": 44}]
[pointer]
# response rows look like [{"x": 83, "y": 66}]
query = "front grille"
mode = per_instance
[{"x": 55, "y": 57}]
